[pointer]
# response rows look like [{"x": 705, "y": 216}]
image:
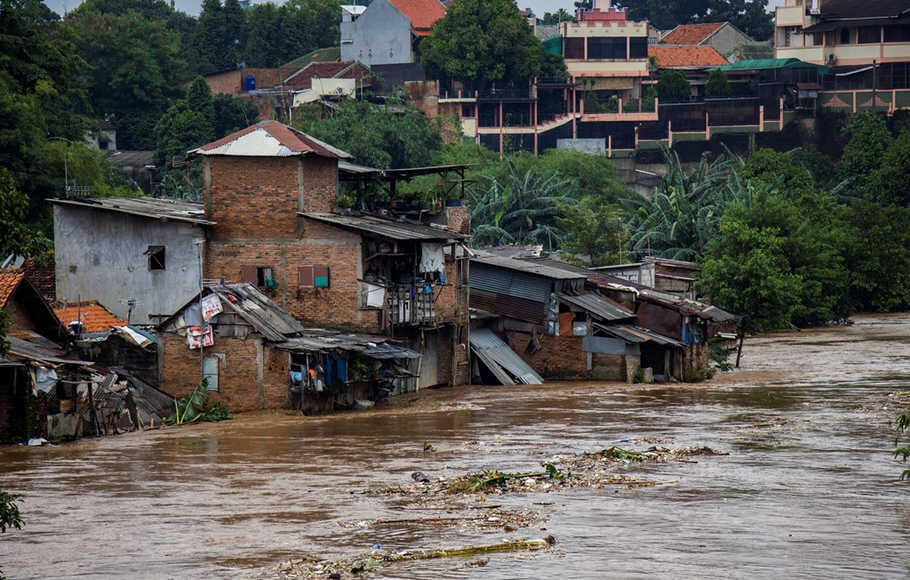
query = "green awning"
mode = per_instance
[
  {"x": 553, "y": 45},
  {"x": 770, "y": 64}
]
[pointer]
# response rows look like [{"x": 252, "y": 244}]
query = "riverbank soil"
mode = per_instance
[{"x": 799, "y": 481}]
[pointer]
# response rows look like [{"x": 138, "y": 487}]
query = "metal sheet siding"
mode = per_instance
[
  {"x": 509, "y": 282},
  {"x": 510, "y": 306}
]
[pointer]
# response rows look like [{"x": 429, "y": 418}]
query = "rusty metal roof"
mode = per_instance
[
  {"x": 598, "y": 306},
  {"x": 385, "y": 227},
  {"x": 502, "y": 360},
  {"x": 149, "y": 207},
  {"x": 324, "y": 340},
  {"x": 637, "y": 334}
]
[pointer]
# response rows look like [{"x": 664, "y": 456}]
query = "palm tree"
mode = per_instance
[
  {"x": 520, "y": 208},
  {"x": 681, "y": 214}
]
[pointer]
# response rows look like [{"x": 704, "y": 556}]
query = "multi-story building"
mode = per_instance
[{"x": 866, "y": 46}]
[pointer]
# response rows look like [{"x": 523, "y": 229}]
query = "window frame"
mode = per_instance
[{"x": 157, "y": 258}]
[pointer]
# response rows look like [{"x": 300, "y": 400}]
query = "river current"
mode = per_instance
[{"x": 809, "y": 488}]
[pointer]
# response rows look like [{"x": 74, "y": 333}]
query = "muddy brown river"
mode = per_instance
[{"x": 809, "y": 488}]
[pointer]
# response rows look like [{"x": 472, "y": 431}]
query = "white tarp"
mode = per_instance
[{"x": 375, "y": 295}]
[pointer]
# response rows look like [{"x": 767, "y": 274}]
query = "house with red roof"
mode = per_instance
[
  {"x": 725, "y": 38},
  {"x": 387, "y": 31},
  {"x": 28, "y": 312}
]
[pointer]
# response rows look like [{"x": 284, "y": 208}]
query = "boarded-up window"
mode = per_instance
[
  {"x": 317, "y": 276},
  {"x": 210, "y": 372},
  {"x": 249, "y": 274}
]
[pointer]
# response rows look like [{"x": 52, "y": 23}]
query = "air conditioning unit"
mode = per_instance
[{"x": 832, "y": 59}]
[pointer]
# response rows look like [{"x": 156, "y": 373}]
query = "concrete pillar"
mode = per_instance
[
  {"x": 609, "y": 145},
  {"x": 707, "y": 126},
  {"x": 670, "y": 133},
  {"x": 761, "y": 118}
]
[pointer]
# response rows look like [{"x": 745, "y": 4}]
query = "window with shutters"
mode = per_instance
[
  {"x": 261, "y": 276},
  {"x": 316, "y": 276}
]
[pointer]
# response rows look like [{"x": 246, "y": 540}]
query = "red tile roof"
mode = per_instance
[
  {"x": 422, "y": 13},
  {"x": 291, "y": 139},
  {"x": 686, "y": 56},
  {"x": 94, "y": 316},
  {"x": 692, "y": 34},
  {"x": 9, "y": 281},
  {"x": 42, "y": 278}
]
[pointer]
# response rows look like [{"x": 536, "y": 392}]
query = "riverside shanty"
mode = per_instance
[{"x": 279, "y": 298}]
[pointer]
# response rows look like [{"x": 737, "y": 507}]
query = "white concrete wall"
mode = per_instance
[
  {"x": 100, "y": 256},
  {"x": 381, "y": 35},
  {"x": 325, "y": 87}
]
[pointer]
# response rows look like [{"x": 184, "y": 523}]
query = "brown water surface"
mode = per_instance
[{"x": 809, "y": 488}]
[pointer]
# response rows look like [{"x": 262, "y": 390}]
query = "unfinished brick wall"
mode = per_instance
[
  {"x": 239, "y": 384},
  {"x": 20, "y": 319},
  {"x": 560, "y": 357}
]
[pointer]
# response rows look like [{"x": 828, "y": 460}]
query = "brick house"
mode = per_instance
[
  {"x": 271, "y": 191},
  {"x": 255, "y": 355}
]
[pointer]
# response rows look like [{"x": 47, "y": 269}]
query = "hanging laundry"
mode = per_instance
[{"x": 431, "y": 258}]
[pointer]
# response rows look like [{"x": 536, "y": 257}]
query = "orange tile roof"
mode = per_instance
[
  {"x": 692, "y": 34},
  {"x": 9, "y": 281},
  {"x": 694, "y": 56},
  {"x": 94, "y": 316},
  {"x": 422, "y": 13}
]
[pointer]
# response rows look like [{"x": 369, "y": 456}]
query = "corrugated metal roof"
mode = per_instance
[
  {"x": 394, "y": 229},
  {"x": 270, "y": 320},
  {"x": 637, "y": 334},
  {"x": 598, "y": 306},
  {"x": 270, "y": 139},
  {"x": 322, "y": 340},
  {"x": 502, "y": 281},
  {"x": 502, "y": 360},
  {"x": 47, "y": 352},
  {"x": 150, "y": 207},
  {"x": 528, "y": 267}
]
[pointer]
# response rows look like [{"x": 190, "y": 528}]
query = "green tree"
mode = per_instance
[
  {"x": 745, "y": 270},
  {"x": 673, "y": 86},
  {"x": 878, "y": 257},
  {"x": 717, "y": 84},
  {"x": 209, "y": 43},
  {"x": 680, "y": 216},
  {"x": 9, "y": 512},
  {"x": 232, "y": 114},
  {"x": 594, "y": 232},
  {"x": 551, "y": 18},
  {"x": 867, "y": 138},
  {"x": 888, "y": 184},
  {"x": 264, "y": 46},
  {"x": 15, "y": 236},
  {"x": 375, "y": 135},
  {"x": 135, "y": 83},
  {"x": 750, "y": 16},
  {"x": 521, "y": 208},
  {"x": 484, "y": 42},
  {"x": 779, "y": 171}
]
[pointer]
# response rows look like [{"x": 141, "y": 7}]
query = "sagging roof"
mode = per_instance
[
  {"x": 149, "y": 207},
  {"x": 675, "y": 263},
  {"x": 686, "y": 56},
  {"x": 421, "y": 13},
  {"x": 502, "y": 360},
  {"x": 388, "y": 228},
  {"x": 528, "y": 267},
  {"x": 122, "y": 158},
  {"x": 599, "y": 306},
  {"x": 43, "y": 351},
  {"x": 692, "y": 34},
  {"x": 93, "y": 316},
  {"x": 269, "y": 139},
  {"x": 270, "y": 320},
  {"x": 637, "y": 334},
  {"x": 324, "y": 340}
]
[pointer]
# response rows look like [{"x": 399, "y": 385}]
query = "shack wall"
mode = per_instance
[
  {"x": 560, "y": 357},
  {"x": 101, "y": 255},
  {"x": 251, "y": 375}
]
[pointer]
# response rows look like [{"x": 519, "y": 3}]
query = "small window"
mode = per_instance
[
  {"x": 156, "y": 257},
  {"x": 467, "y": 111},
  {"x": 261, "y": 276},
  {"x": 313, "y": 276},
  {"x": 845, "y": 36},
  {"x": 210, "y": 372}
]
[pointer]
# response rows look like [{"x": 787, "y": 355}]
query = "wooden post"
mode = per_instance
[
  {"x": 780, "y": 120},
  {"x": 670, "y": 133},
  {"x": 619, "y": 107},
  {"x": 636, "y": 137},
  {"x": 854, "y": 101},
  {"x": 761, "y": 118},
  {"x": 707, "y": 126},
  {"x": 739, "y": 349},
  {"x": 609, "y": 145},
  {"x": 501, "y": 150},
  {"x": 536, "y": 129}
]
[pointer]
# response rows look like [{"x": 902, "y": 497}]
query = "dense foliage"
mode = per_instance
[
  {"x": 673, "y": 86},
  {"x": 717, "y": 84},
  {"x": 484, "y": 42},
  {"x": 750, "y": 16}
]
